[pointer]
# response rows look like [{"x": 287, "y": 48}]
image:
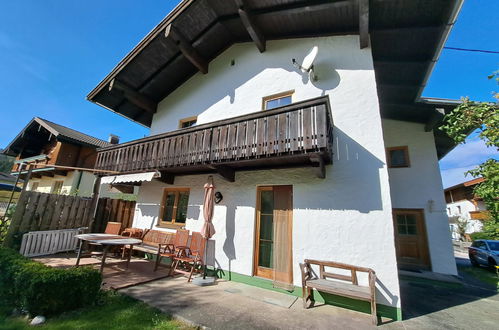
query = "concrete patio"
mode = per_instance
[
  {"x": 232, "y": 305},
  {"x": 426, "y": 304}
]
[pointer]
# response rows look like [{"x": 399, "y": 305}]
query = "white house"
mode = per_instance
[
  {"x": 347, "y": 150},
  {"x": 462, "y": 203}
]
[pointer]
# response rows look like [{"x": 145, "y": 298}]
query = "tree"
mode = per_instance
[
  {"x": 484, "y": 117},
  {"x": 6, "y": 162}
]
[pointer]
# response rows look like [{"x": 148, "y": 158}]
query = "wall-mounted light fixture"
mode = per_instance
[{"x": 218, "y": 197}]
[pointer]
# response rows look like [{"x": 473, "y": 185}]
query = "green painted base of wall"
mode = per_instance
[
  {"x": 152, "y": 257},
  {"x": 390, "y": 312}
]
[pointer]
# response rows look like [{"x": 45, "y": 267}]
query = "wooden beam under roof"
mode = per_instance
[
  {"x": 319, "y": 165},
  {"x": 364, "y": 23},
  {"x": 435, "y": 119},
  {"x": 249, "y": 23},
  {"x": 133, "y": 96},
  {"x": 186, "y": 48},
  {"x": 301, "y": 8}
]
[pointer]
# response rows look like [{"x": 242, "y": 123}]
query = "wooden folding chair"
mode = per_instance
[
  {"x": 113, "y": 228},
  {"x": 132, "y": 233},
  {"x": 190, "y": 260},
  {"x": 170, "y": 250}
]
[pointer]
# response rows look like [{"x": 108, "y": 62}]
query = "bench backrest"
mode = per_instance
[
  {"x": 352, "y": 278},
  {"x": 133, "y": 232},
  {"x": 155, "y": 237}
]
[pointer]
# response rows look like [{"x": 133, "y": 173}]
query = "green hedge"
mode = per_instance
[
  {"x": 480, "y": 235},
  {"x": 44, "y": 290}
]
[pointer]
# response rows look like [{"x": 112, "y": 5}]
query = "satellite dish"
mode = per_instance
[{"x": 308, "y": 63}]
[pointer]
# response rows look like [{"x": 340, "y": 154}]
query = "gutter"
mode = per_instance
[{"x": 445, "y": 35}]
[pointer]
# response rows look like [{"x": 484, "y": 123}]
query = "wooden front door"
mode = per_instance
[
  {"x": 273, "y": 202},
  {"x": 410, "y": 239}
]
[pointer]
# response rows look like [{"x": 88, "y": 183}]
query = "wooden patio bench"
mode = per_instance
[
  {"x": 152, "y": 239},
  {"x": 347, "y": 286}
]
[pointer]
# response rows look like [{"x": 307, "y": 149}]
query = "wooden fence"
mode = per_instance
[
  {"x": 37, "y": 211},
  {"x": 116, "y": 210}
]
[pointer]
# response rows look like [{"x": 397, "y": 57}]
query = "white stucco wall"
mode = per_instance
[
  {"x": 70, "y": 186},
  {"x": 345, "y": 217},
  {"x": 462, "y": 209},
  {"x": 420, "y": 187},
  {"x": 45, "y": 183}
]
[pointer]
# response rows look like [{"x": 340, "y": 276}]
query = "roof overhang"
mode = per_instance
[{"x": 406, "y": 39}]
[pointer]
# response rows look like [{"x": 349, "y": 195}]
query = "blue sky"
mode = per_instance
[{"x": 53, "y": 52}]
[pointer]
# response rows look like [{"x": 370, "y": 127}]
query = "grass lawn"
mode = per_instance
[
  {"x": 114, "y": 311},
  {"x": 483, "y": 274}
]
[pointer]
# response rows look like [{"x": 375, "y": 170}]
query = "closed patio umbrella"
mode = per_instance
[{"x": 208, "y": 230}]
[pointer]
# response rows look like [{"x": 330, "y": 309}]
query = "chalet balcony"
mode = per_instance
[{"x": 297, "y": 135}]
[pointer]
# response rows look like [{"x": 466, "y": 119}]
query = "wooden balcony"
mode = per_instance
[
  {"x": 479, "y": 215},
  {"x": 296, "y": 135}
]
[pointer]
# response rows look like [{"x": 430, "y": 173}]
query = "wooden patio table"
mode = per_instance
[{"x": 106, "y": 240}]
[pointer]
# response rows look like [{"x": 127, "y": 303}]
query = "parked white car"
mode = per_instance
[{"x": 484, "y": 252}]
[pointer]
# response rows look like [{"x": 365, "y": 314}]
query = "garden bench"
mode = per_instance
[
  {"x": 342, "y": 285},
  {"x": 152, "y": 239}
]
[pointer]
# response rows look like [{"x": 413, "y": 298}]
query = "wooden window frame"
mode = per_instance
[
  {"x": 185, "y": 120},
  {"x": 406, "y": 153},
  {"x": 171, "y": 224},
  {"x": 272, "y": 97}
]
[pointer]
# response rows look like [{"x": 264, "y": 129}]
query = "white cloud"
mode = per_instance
[
  {"x": 453, "y": 176},
  {"x": 471, "y": 153}
]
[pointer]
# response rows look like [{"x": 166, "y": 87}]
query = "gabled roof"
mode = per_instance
[
  {"x": 406, "y": 38},
  {"x": 469, "y": 183},
  {"x": 60, "y": 132}
]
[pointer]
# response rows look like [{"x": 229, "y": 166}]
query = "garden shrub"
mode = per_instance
[
  {"x": 480, "y": 235},
  {"x": 40, "y": 289}
]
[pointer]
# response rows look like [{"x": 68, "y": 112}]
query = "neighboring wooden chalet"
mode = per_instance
[
  {"x": 344, "y": 156},
  {"x": 462, "y": 202},
  {"x": 61, "y": 157}
]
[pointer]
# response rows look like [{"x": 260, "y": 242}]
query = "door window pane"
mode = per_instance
[
  {"x": 267, "y": 201},
  {"x": 266, "y": 227},
  {"x": 265, "y": 256},
  {"x": 406, "y": 224}
]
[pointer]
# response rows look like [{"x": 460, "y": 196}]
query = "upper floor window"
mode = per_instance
[
  {"x": 398, "y": 156},
  {"x": 187, "y": 122},
  {"x": 57, "y": 187},
  {"x": 277, "y": 100},
  {"x": 174, "y": 207}
]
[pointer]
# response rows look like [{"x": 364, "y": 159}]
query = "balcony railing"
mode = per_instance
[{"x": 295, "y": 135}]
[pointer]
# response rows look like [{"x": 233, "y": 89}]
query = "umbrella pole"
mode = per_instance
[{"x": 205, "y": 253}]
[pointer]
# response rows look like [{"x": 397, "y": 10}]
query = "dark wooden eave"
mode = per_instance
[{"x": 406, "y": 37}]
